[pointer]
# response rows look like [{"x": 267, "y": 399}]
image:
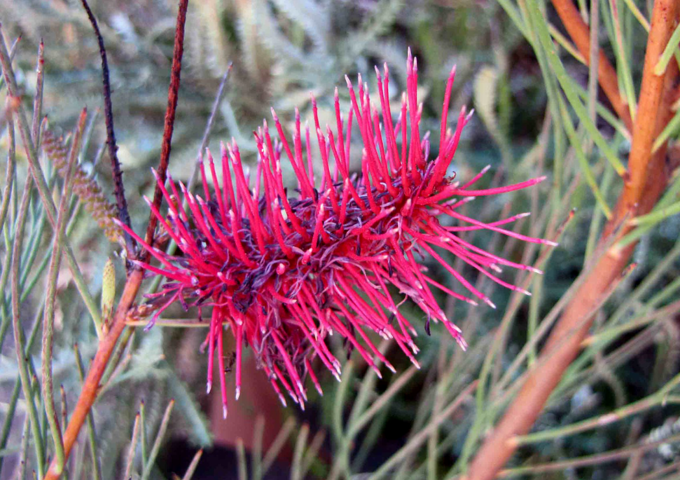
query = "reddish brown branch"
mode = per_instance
[
  {"x": 89, "y": 393},
  {"x": 169, "y": 115},
  {"x": 118, "y": 186},
  {"x": 643, "y": 185},
  {"x": 580, "y": 34}
]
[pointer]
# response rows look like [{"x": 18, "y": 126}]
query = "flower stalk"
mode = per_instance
[
  {"x": 107, "y": 344},
  {"x": 85, "y": 187},
  {"x": 119, "y": 188},
  {"x": 50, "y": 300},
  {"x": 173, "y": 96}
]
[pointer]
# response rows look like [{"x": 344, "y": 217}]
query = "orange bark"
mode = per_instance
[
  {"x": 644, "y": 183},
  {"x": 88, "y": 395},
  {"x": 90, "y": 391},
  {"x": 580, "y": 34}
]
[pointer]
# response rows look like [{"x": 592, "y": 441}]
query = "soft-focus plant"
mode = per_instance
[{"x": 578, "y": 380}]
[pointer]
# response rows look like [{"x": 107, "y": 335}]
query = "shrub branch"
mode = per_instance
[
  {"x": 107, "y": 345},
  {"x": 118, "y": 186},
  {"x": 644, "y": 182},
  {"x": 169, "y": 118},
  {"x": 580, "y": 34}
]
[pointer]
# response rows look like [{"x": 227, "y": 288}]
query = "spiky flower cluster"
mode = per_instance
[{"x": 285, "y": 271}]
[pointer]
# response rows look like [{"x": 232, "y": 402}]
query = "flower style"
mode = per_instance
[{"x": 285, "y": 271}]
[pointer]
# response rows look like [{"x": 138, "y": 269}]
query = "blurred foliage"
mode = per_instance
[{"x": 281, "y": 51}]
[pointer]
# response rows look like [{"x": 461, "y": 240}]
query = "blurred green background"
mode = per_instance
[{"x": 283, "y": 50}]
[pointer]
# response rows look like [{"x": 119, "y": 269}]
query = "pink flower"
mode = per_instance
[{"x": 285, "y": 271}]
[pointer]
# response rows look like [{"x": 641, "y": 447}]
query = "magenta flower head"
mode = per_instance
[{"x": 284, "y": 271}]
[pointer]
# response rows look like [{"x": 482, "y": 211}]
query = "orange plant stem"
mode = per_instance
[
  {"x": 643, "y": 185},
  {"x": 580, "y": 34},
  {"x": 91, "y": 386},
  {"x": 105, "y": 349}
]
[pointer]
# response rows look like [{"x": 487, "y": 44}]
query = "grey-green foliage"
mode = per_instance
[{"x": 282, "y": 51}]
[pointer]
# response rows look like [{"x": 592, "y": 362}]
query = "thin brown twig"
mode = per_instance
[
  {"x": 169, "y": 118},
  {"x": 643, "y": 185},
  {"x": 91, "y": 386},
  {"x": 118, "y": 186},
  {"x": 656, "y": 475},
  {"x": 37, "y": 102}
]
